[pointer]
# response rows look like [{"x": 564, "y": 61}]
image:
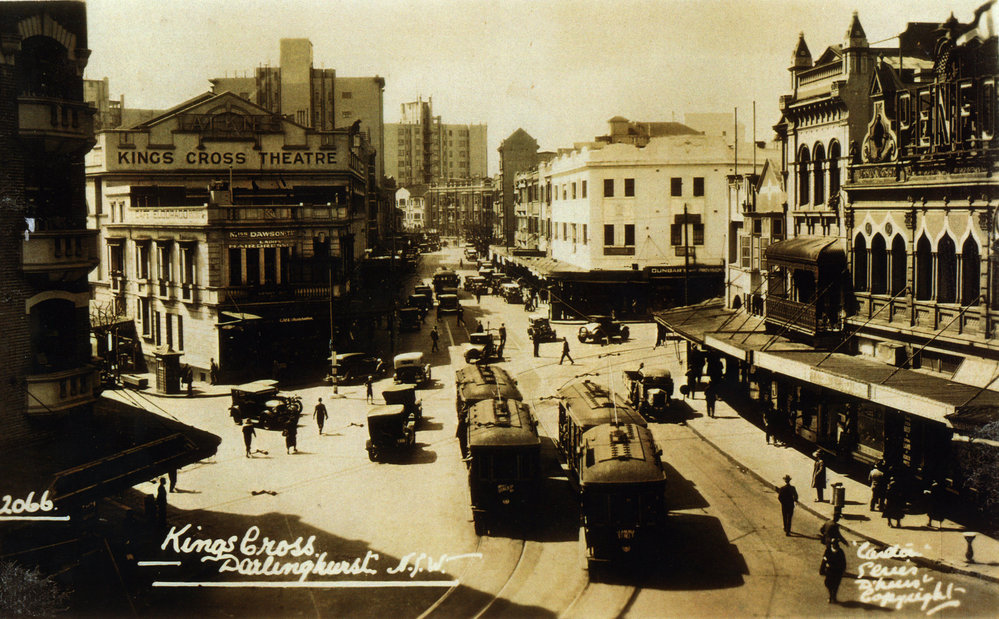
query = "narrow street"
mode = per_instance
[{"x": 726, "y": 552}]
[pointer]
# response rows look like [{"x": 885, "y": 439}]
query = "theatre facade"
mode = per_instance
[{"x": 227, "y": 233}]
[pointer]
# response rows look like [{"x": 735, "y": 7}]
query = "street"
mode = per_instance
[{"x": 398, "y": 536}]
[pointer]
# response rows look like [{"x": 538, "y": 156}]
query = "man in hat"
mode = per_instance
[
  {"x": 788, "y": 496},
  {"x": 819, "y": 476}
]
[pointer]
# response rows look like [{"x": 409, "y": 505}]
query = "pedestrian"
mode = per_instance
[
  {"x": 369, "y": 392},
  {"x": 710, "y": 396},
  {"x": 248, "y": 434},
  {"x": 502, "y": 334},
  {"x": 894, "y": 503},
  {"x": 320, "y": 415},
  {"x": 536, "y": 340},
  {"x": 829, "y": 532},
  {"x": 172, "y": 476},
  {"x": 819, "y": 476},
  {"x": 434, "y": 336},
  {"x": 691, "y": 382},
  {"x": 189, "y": 379},
  {"x": 833, "y": 567},
  {"x": 787, "y": 495},
  {"x": 876, "y": 478},
  {"x": 478, "y": 297},
  {"x": 213, "y": 371},
  {"x": 936, "y": 496},
  {"x": 478, "y": 326},
  {"x": 291, "y": 436},
  {"x": 161, "y": 504},
  {"x": 768, "y": 423},
  {"x": 461, "y": 315},
  {"x": 565, "y": 352}
]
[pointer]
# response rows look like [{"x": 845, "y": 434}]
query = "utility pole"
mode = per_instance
[{"x": 686, "y": 257}]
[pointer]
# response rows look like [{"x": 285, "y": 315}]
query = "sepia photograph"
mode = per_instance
[{"x": 447, "y": 309}]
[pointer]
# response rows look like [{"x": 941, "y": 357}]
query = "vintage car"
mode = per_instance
[
  {"x": 471, "y": 254},
  {"x": 603, "y": 329},
  {"x": 649, "y": 390},
  {"x": 487, "y": 273},
  {"x": 539, "y": 327},
  {"x": 445, "y": 278},
  {"x": 405, "y": 395},
  {"x": 390, "y": 429},
  {"x": 425, "y": 290},
  {"x": 410, "y": 368},
  {"x": 448, "y": 304},
  {"x": 410, "y": 318},
  {"x": 356, "y": 367},
  {"x": 512, "y": 292},
  {"x": 481, "y": 348},
  {"x": 262, "y": 403},
  {"x": 476, "y": 284},
  {"x": 422, "y": 301}
]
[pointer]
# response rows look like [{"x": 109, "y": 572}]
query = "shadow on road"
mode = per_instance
[{"x": 681, "y": 493}]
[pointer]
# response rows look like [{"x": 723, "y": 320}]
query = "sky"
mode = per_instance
[{"x": 559, "y": 69}]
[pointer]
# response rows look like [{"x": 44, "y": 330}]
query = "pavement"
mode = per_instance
[{"x": 941, "y": 547}]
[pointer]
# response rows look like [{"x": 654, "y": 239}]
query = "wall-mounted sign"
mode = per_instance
[{"x": 261, "y": 159}]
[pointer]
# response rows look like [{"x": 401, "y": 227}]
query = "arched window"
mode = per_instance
[
  {"x": 53, "y": 323},
  {"x": 879, "y": 265},
  {"x": 818, "y": 173},
  {"x": 924, "y": 269},
  {"x": 946, "y": 270},
  {"x": 44, "y": 69},
  {"x": 835, "y": 153},
  {"x": 897, "y": 265},
  {"x": 971, "y": 272},
  {"x": 803, "y": 160},
  {"x": 860, "y": 264}
]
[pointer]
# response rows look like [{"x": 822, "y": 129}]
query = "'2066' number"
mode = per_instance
[{"x": 26, "y": 505}]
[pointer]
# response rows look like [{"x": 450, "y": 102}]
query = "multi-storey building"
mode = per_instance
[
  {"x": 531, "y": 208},
  {"x": 459, "y": 207},
  {"x": 228, "y": 232},
  {"x": 420, "y": 149},
  {"x": 518, "y": 152},
  {"x": 411, "y": 203},
  {"x": 55, "y": 430}
]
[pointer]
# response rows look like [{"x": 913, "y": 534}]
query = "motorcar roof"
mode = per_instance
[
  {"x": 510, "y": 285},
  {"x": 257, "y": 386},
  {"x": 409, "y": 310},
  {"x": 385, "y": 411},
  {"x": 447, "y": 295},
  {"x": 408, "y": 357},
  {"x": 655, "y": 371}
]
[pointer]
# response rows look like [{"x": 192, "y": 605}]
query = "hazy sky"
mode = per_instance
[{"x": 559, "y": 69}]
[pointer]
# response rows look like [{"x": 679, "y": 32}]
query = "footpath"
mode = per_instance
[{"x": 942, "y": 547}]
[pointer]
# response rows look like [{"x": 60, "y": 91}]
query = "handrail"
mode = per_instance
[{"x": 858, "y": 329}]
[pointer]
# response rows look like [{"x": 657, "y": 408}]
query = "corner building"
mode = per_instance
[{"x": 227, "y": 232}]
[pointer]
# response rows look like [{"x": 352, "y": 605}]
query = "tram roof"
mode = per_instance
[
  {"x": 502, "y": 423},
  {"x": 590, "y": 404},
  {"x": 620, "y": 454},
  {"x": 481, "y": 382}
]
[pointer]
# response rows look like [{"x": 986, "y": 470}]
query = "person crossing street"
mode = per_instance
[
  {"x": 434, "y": 336},
  {"x": 565, "y": 352},
  {"x": 320, "y": 415}
]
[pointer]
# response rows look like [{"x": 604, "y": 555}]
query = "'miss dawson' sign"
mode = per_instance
[{"x": 262, "y": 159}]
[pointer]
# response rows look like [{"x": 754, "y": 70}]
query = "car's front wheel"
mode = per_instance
[{"x": 624, "y": 333}]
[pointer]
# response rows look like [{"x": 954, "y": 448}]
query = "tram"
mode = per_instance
[
  {"x": 476, "y": 383},
  {"x": 622, "y": 492},
  {"x": 504, "y": 460},
  {"x": 584, "y": 404}
]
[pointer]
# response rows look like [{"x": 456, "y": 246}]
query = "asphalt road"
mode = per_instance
[{"x": 407, "y": 523}]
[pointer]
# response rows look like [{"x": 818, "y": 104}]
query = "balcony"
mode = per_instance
[
  {"x": 60, "y": 255},
  {"x": 189, "y": 293},
  {"x": 61, "y": 391},
  {"x": 280, "y": 292},
  {"x": 55, "y": 125}
]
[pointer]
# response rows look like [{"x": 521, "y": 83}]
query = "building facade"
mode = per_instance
[
  {"x": 411, "y": 204},
  {"x": 518, "y": 152},
  {"x": 459, "y": 207},
  {"x": 420, "y": 149},
  {"x": 228, "y": 232}
]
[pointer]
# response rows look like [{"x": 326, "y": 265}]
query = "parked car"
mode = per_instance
[
  {"x": 390, "y": 429},
  {"x": 471, "y": 254},
  {"x": 481, "y": 348},
  {"x": 425, "y": 290},
  {"x": 511, "y": 293},
  {"x": 603, "y": 328},
  {"x": 422, "y": 301},
  {"x": 410, "y": 368},
  {"x": 405, "y": 395},
  {"x": 357, "y": 366},
  {"x": 262, "y": 403},
  {"x": 476, "y": 284},
  {"x": 540, "y": 327},
  {"x": 410, "y": 318}
]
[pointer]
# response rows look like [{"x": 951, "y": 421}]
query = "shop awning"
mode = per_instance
[
  {"x": 110, "y": 451},
  {"x": 805, "y": 250},
  {"x": 692, "y": 322},
  {"x": 917, "y": 393},
  {"x": 231, "y": 317}
]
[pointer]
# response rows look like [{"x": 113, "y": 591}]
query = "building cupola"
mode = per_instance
[
  {"x": 855, "y": 48},
  {"x": 855, "y": 36},
  {"x": 802, "y": 57}
]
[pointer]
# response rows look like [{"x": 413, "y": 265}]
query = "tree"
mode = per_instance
[
  {"x": 979, "y": 460},
  {"x": 106, "y": 318},
  {"x": 26, "y": 593}
]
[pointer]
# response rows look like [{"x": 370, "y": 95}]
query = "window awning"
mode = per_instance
[
  {"x": 806, "y": 250},
  {"x": 110, "y": 451},
  {"x": 236, "y": 317}
]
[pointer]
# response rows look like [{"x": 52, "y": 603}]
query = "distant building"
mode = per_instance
[
  {"x": 460, "y": 207},
  {"x": 412, "y": 206},
  {"x": 721, "y": 125},
  {"x": 518, "y": 152},
  {"x": 420, "y": 149}
]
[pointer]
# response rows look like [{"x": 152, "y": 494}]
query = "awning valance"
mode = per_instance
[{"x": 806, "y": 250}]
